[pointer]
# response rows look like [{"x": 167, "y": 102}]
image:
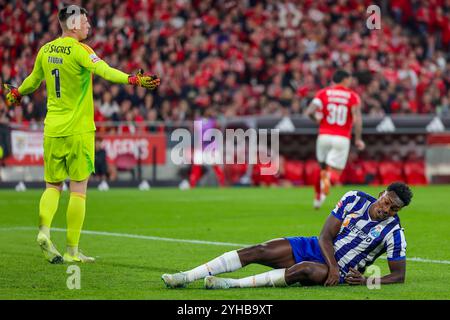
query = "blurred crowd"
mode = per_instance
[{"x": 231, "y": 58}]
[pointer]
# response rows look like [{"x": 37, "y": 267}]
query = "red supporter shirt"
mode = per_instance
[{"x": 335, "y": 103}]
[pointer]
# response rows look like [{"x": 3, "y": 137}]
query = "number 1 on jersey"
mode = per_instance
[{"x": 55, "y": 72}]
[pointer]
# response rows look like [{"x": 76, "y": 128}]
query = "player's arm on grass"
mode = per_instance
[
  {"x": 327, "y": 235},
  {"x": 29, "y": 85},
  {"x": 397, "y": 275},
  {"x": 396, "y": 256},
  {"x": 357, "y": 124},
  {"x": 87, "y": 58},
  {"x": 398, "y": 272}
]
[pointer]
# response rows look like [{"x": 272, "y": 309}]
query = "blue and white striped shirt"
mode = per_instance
[{"x": 361, "y": 240}]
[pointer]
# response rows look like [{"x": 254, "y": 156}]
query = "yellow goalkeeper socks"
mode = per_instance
[
  {"x": 47, "y": 209},
  {"x": 75, "y": 217}
]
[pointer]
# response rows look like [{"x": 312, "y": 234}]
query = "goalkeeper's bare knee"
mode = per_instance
[{"x": 79, "y": 186}]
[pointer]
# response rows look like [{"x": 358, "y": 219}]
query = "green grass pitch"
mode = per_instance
[{"x": 130, "y": 268}]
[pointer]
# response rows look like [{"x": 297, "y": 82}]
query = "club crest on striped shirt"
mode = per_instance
[{"x": 376, "y": 231}]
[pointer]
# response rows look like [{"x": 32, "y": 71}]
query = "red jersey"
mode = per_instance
[{"x": 335, "y": 104}]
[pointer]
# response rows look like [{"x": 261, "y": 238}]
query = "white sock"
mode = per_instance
[
  {"x": 45, "y": 230},
  {"x": 73, "y": 251},
  {"x": 228, "y": 262},
  {"x": 272, "y": 278}
]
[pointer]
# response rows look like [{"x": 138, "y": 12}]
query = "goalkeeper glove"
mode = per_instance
[
  {"x": 13, "y": 96},
  {"x": 143, "y": 80}
]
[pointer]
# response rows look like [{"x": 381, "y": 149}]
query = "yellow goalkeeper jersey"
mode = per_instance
[{"x": 67, "y": 66}]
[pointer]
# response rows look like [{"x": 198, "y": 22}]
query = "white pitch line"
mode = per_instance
[
  {"x": 215, "y": 243},
  {"x": 428, "y": 260},
  {"x": 135, "y": 236}
]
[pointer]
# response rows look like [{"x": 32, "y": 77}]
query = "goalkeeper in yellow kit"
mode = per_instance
[{"x": 67, "y": 66}]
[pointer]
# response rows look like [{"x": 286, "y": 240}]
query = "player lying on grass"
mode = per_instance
[
  {"x": 67, "y": 65},
  {"x": 357, "y": 232}
]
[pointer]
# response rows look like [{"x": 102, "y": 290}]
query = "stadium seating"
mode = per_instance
[
  {"x": 353, "y": 173},
  {"x": 391, "y": 171},
  {"x": 260, "y": 179},
  {"x": 234, "y": 172},
  {"x": 312, "y": 171},
  {"x": 371, "y": 173},
  {"x": 360, "y": 172},
  {"x": 415, "y": 172},
  {"x": 294, "y": 171}
]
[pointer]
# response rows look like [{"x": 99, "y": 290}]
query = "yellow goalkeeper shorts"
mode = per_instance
[{"x": 71, "y": 156}]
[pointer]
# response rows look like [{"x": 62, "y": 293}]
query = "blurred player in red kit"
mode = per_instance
[
  {"x": 336, "y": 109},
  {"x": 206, "y": 153}
]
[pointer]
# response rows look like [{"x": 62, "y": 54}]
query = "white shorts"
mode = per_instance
[{"x": 332, "y": 150}]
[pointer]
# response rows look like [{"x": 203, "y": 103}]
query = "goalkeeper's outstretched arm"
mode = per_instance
[
  {"x": 109, "y": 73},
  {"x": 88, "y": 59}
]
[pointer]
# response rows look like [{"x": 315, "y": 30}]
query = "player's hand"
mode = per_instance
[
  {"x": 333, "y": 277},
  {"x": 144, "y": 80},
  {"x": 13, "y": 96},
  {"x": 318, "y": 116},
  {"x": 360, "y": 145},
  {"x": 354, "y": 277}
]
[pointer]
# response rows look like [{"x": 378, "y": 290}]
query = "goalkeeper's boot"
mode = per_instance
[
  {"x": 48, "y": 249},
  {"x": 212, "y": 282},
  {"x": 176, "y": 280},
  {"x": 79, "y": 257}
]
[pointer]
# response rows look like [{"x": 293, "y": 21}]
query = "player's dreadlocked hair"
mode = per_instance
[{"x": 402, "y": 191}]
